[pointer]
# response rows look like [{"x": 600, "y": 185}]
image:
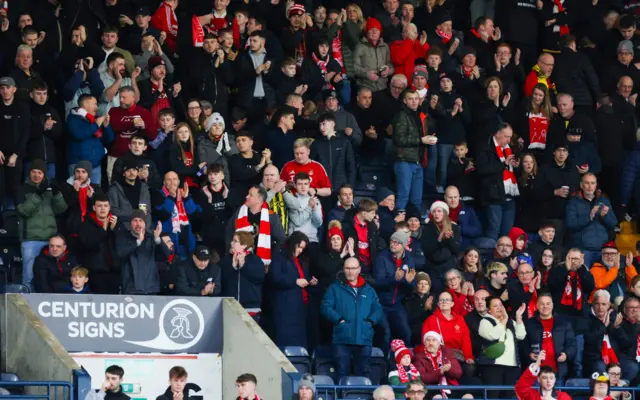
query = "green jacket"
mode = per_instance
[
  {"x": 407, "y": 144},
  {"x": 38, "y": 211},
  {"x": 368, "y": 58}
]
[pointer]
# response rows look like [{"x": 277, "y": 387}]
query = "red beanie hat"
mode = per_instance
[
  {"x": 610, "y": 245},
  {"x": 399, "y": 350},
  {"x": 373, "y": 23},
  {"x": 335, "y": 228}
]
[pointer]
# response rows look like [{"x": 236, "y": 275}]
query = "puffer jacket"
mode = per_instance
[
  {"x": 588, "y": 234},
  {"x": 337, "y": 157},
  {"x": 207, "y": 152},
  {"x": 82, "y": 142},
  {"x": 38, "y": 211},
  {"x": 574, "y": 74},
  {"x": 51, "y": 274},
  {"x": 407, "y": 144},
  {"x": 384, "y": 270},
  {"x": 358, "y": 308},
  {"x": 366, "y": 58}
]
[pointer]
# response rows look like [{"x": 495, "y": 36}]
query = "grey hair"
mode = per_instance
[
  {"x": 564, "y": 95},
  {"x": 380, "y": 391},
  {"x": 454, "y": 271},
  {"x": 602, "y": 293},
  {"x": 24, "y": 48},
  {"x": 401, "y": 78}
]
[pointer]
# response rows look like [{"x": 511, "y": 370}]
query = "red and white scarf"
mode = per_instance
[
  {"x": 5, "y": 8},
  {"x": 402, "y": 373},
  {"x": 538, "y": 128},
  {"x": 437, "y": 363},
  {"x": 179, "y": 214},
  {"x": 567, "y": 295},
  {"x": 608, "y": 354},
  {"x": 638, "y": 349},
  {"x": 532, "y": 307},
  {"x": 508, "y": 177},
  {"x": 446, "y": 37},
  {"x": 89, "y": 117},
  {"x": 263, "y": 248},
  {"x": 558, "y": 8},
  {"x": 322, "y": 64}
]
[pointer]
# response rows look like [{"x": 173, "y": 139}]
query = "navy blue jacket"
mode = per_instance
[
  {"x": 82, "y": 142},
  {"x": 631, "y": 175},
  {"x": 243, "y": 284},
  {"x": 184, "y": 240},
  {"x": 588, "y": 234},
  {"x": 358, "y": 307},
  {"x": 291, "y": 312},
  {"x": 469, "y": 223},
  {"x": 585, "y": 152},
  {"x": 564, "y": 340},
  {"x": 384, "y": 271}
]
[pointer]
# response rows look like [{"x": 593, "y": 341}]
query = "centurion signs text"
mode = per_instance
[{"x": 131, "y": 323}]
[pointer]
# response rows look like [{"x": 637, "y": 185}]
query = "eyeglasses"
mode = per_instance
[
  {"x": 615, "y": 374},
  {"x": 546, "y": 256},
  {"x": 416, "y": 392},
  {"x": 397, "y": 87},
  {"x": 453, "y": 279},
  {"x": 444, "y": 301},
  {"x": 504, "y": 245},
  {"x": 610, "y": 254},
  {"x": 525, "y": 273}
]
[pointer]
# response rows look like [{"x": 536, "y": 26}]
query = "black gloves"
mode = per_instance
[{"x": 55, "y": 189}]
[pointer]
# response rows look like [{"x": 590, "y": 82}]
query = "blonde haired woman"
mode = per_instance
[{"x": 440, "y": 243}]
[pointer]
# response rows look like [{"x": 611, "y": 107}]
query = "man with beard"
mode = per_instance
[
  {"x": 114, "y": 78},
  {"x": 497, "y": 274},
  {"x": 157, "y": 92},
  {"x": 608, "y": 273},
  {"x": 128, "y": 193}
]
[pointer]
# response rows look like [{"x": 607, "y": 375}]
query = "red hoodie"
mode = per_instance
[
  {"x": 122, "y": 124},
  {"x": 454, "y": 332},
  {"x": 514, "y": 234}
]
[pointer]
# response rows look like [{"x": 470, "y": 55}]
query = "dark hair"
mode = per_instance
[
  {"x": 345, "y": 186},
  {"x": 115, "y": 370},
  {"x": 294, "y": 240},
  {"x": 259, "y": 21},
  {"x": 262, "y": 192},
  {"x": 479, "y": 275},
  {"x": 110, "y": 29},
  {"x": 59, "y": 236},
  {"x": 257, "y": 33},
  {"x": 114, "y": 56},
  {"x": 100, "y": 197},
  {"x": 211, "y": 35},
  {"x": 567, "y": 40},
  {"x": 247, "y": 378},
  {"x": 626, "y": 22},
  {"x": 215, "y": 169},
  {"x": 29, "y": 30},
  {"x": 178, "y": 372},
  {"x": 366, "y": 205},
  {"x": 546, "y": 369},
  {"x": 139, "y": 136},
  {"x": 166, "y": 112},
  {"x": 415, "y": 382},
  {"x": 481, "y": 21},
  {"x": 540, "y": 266},
  {"x": 489, "y": 299},
  {"x": 84, "y": 97},
  {"x": 545, "y": 294},
  {"x": 434, "y": 51},
  {"x": 328, "y": 116},
  {"x": 244, "y": 133},
  {"x": 301, "y": 176},
  {"x": 38, "y": 84}
]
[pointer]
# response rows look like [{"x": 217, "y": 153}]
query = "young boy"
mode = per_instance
[
  {"x": 246, "y": 385},
  {"x": 79, "y": 279},
  {"x": 305, "y": 211},
  {"x": 287, "y": 82},
  {"x": 462, "y": 172},
  {"x": 111, "y": 386},
  {"x": 177, "y": 382},
  {"x": 216, "y": 208},
  {"x": 161, "y": 145},
  {"x": 405, "y": 371},
  {"x": 547, "y": 236},
  {"x": 358, "y": 224},
  {"x": 545, "y": 377}
]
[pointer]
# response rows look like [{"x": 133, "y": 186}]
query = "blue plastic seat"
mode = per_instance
[
  {"x": 324, "y": 380},
  {"x": 15, "y": 288},
  {"x": 323, "y": 362},
  {"x": 299, "y": 357},
  {"x": 577, "y": 382},
  {"x": 356, "y": 393},
  {"x": 378, "y": 364},
  {"x": 9, "y": 377}
]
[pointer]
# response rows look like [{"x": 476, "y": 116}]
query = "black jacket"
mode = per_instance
[
  {"x": 615, "y": 126},
  {"x": 550, "y": 178},
  {"x": 243, "y": 284},
  {"x": 245, "y": 78},
  {"x": 593, "y": 339},
  {"x": 511, "y": 75},
  {"x": 191, "y": 280},
  {"x": 473, "y": 322},
  {"x": 484, "y": 50},
  {"x": 574, "y": 74},
  {"x": 528, "y": 214},
  {"x": 139, "y": 270},
  {"x": 41, "y": 143},
  {"x": 564, "y": 340},
  {"x": 489, "y": 169},
  {"x": 579, "y": 123},
  {"x": 416, "y": 313},
  {"x": 96, "y": 247},
  {"x": 51, "y": 274},
  {"x": 367, "y": 117},
  {"x": 337, "y": 157},
  {"x": 616, "y": 71},
  {"x": 440, "y": 256},
  {"x": 154, "y": 181},
  {"x": 207, "y": 82},
  {"x": 556, "y": 283},
  {"x": 451, "y": 129},
  {"x": 215, "y": 216},
  {"x": 519, "y": 21},
  {"x": 326, "y": 270},
  {"x": 74, "y": 208},
  {"x": 349, "y": 230},
  {"x": 15, "y": 122},
  {"x": 627, "y": 341},
  {"x": 149, "y": 96}
]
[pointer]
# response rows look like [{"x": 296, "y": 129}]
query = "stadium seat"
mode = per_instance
[
  {"x": 324, "y": 380},
  {"x": 378, "y": 367},
  {"x": 299, "y": 357},
  {"x": 356, "y": 393},
  {"x": 8, "y": 377},
  {"x": 14, "y": 288},
  {"x": 375, "y": 175},
  {"x": 323, "y": 362},
  {"x": 577, "y": 382}
]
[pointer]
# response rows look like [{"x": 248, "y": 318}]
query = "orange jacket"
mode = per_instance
[{"x": 603, "y": 278}]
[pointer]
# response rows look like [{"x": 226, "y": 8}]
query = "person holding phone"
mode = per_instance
[{"x": 200, "y": 275}]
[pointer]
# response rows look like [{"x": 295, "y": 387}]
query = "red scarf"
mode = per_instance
[
  {"x": 564, "y": 29},
  {"x": 164, "y": 19},
  {"x": 402, "y": 373},
  {"x": 532, "y": 307},
  {"x": 508, "y": 177},
  {"x": 82, "y": 199},
  {"x": 446, "y": 37},
  {"x": 359, "y": 283},
  {"x": 538, "y": 128},
  {"x": 336, "y": 50},
  {"x": 638, "y": 349},
  {"x": 475, "y": 33},
  {"x": 466, "y": 71},
  {"x": 92, "y": 120},
  {"x": 305, "y": 293},
  {"x": 161, "y": 102},
  {"x": 567, "y": 296},
  {"x": 322, "y": 64},
  {"x": 436, "y": 363},
  {"x": 263, "y": 244},
  {"x": 179, "y": 216},
  {"x": 608, "y": 354},
  {"x": 454, "y": 213}
]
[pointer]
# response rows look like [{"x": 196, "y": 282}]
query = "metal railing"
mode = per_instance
[
  {"x": 336, "y": 391},
  {"x": 55, "y": 390}
]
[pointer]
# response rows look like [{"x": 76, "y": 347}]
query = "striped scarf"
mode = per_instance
[
  {"x": 263, "y": 246},
  {"x": 277, "y": 206},
  {"x": 508, "y": 177}
]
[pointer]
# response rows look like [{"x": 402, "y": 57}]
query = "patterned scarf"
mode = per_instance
[
  {"x": 538, "y": 128},
  {"x": 179, "y": 214},
  {"x": 436, "y": 363},
  {"x": 83, "y": 196},
  {"x": 638, "y": 349},
  {"x": 446, "y": 37},
  {"x": 402, "y": 373},
  {"x": 608, "y": 354},
  {"x": 558, "y": 8},
  {"x": 567, "y": 296},
  {"x": 508, "y": 177},
  {"x": 322, "y": 64},
  {"x": 263, "y": 246}
]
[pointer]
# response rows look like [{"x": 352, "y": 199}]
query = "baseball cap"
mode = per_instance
[
  {"x": 328, "y": 94},
  {"x": 7, "y": 81},
  {"x": 202, "y": 253},
  {"x": 143, "y": 11}
]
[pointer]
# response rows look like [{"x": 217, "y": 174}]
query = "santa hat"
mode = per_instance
[
  {"x": 399, "y": 350},
  {"x": 432, "y": 334},
  {"x": 373, "y": 23}
]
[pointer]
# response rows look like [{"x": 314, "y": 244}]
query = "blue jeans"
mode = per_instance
[
  {"x": 591, "y": 256},
  {"x": 430, "y": 169},
  {"x": 344, "y": 94},
  {"x": 361, "y": 355},
  {"x": 444, "y": 156},
  {"x": 630, "y": 369},
  {"x": 409, "y": 184},
  {"x": 398, "y": 322},
  {"x": 30, "y": 250},
  {"x": 577, "y": 361},
  {"x": 96, "y": 173},
  {"x": 500, "y": 219}
]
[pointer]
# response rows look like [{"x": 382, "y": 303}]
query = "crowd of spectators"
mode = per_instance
[{"x": 216, "y": 149}]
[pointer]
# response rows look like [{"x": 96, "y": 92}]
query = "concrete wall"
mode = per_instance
[
  {"x": 27, "y": 347},
  {"x": 245, "y": 343}
]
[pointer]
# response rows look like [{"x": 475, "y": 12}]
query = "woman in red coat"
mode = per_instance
[{"x": 405, "y": 52}]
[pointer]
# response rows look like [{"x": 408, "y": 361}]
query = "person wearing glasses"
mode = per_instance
[
  {"x": 524, "y": 289},
  {"x": 629, "y": 350},
  {"x": 608, "y": 274},
  {"x": 615, "y": 374},
  {"x": 415, "y": 390}
]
